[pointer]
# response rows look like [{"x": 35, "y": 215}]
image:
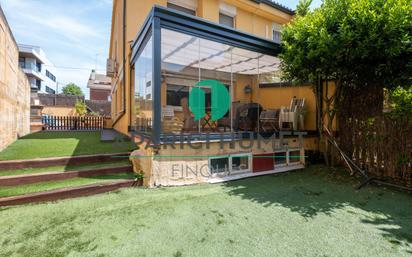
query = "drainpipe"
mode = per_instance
[{"x": 124, "y": 56}]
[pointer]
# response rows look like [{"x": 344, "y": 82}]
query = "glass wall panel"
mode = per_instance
[
  {"x": 269, "y": 74},
  {"x": 215, "y": 64},
  {"x": 180, "y": 56},
  {"x": 246, "y": 107},
  {"x": 187, "y": 60},
  {"x": 143, "y": 93}
]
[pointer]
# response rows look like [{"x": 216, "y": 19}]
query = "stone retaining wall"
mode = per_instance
[{"x": 14, "y": 90}]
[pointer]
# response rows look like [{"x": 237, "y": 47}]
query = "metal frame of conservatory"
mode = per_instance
[{"x": 161, "y": 17}]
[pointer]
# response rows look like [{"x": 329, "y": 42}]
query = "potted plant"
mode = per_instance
[{"x": 139, "y": 178}]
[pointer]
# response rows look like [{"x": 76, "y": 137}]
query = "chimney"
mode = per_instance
[{"x": 93, "y": 75}]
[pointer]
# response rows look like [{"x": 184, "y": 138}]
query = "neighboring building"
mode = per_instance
[
  {"x": 14, "y": 89},
  {"x": 159, "y": 50},
  {"x": 40, "y": 71},
  {"x": 100, "y": 86}
]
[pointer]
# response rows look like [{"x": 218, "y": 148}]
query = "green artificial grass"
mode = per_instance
[
  {"x": 313, "y": 212},
  {"x": 63, "y": 168},
  {"x": 67, "y": 143},
  {"x": 6, "y": 191}
]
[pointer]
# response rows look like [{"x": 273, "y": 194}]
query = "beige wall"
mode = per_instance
[
  {"x": 14, "y": 90},
  {"x": 160, "y": 171}
]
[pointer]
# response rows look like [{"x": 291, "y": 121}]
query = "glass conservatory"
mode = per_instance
[{"x": 174, "y": 51}]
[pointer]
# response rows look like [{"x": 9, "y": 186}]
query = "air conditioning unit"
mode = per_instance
[{"x": 110, "y": 67}]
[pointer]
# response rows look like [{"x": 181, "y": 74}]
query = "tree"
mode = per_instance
[
  {"x": 81, "y": 108},
  {"x": 401, "y": 102},
  {"x": 72, "y": 89},
  {"x": 357, "y": 44},
  {"x": 303, "y": 7}
]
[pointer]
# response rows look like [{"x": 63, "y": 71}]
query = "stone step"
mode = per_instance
[
  {"x": 52, "y": 176},
  {"x": 57, "y": 161},
  {"x": 68, "y": 192}
]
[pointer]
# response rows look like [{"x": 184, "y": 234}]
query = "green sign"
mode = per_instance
[{"x": 220, "y": 99}]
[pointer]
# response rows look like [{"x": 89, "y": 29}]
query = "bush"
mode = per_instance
[{"x": 401, "y": 102}]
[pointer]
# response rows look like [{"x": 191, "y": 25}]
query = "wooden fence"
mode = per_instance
[
  {"x": 73, "y": 122},
  {"x": 382, "y": 145}
]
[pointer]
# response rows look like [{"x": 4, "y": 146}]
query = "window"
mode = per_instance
[
  {"x": 50, "y": 91},
  {"x": 226, "y": 20},
  {"x": 38, "y": 66},
  {"x": 227, "y": 14},
  {"x": 143, "y": 90},
  {"x": 241, "y": 163},
  {"x": 50, "y": 76},
  {"x": 175, "y": 94},
  {"x": 22, "y": 62},
  {"x": 294, "y": 157},
  {"x": 114, "y": 103},
  {"x": 277, "y": 32},
  {"x": 281, "y": 158},
  {"x": 119, "y": 95},
  {"x": 232, "y": 164},
  {"x": 38, "y": 84},
  {"x": 181, "y": 8},
  {"x": 219, "y": 165}
]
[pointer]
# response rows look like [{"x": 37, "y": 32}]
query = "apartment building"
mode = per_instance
[{"x": 39, "y": 70}]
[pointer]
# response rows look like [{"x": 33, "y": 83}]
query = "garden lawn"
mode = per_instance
[
  {"x": 65, "y": 168},
  {"x": 313, "y": 212},
  {"x": 6, "y": 191},
  {"x": 67, "y": 143}
]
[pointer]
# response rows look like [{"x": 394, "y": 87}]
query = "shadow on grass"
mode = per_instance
[{"x": 319, "y": 190}]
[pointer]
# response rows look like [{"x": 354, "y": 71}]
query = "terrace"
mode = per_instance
[{"x": 175, "y": 59}]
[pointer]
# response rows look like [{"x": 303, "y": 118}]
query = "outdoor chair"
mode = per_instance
[
  {"x": 294, "y": 115},
  {"x": 269, "y": 120},
  {"x": 225, "y": 123},
  {"x": 248, "y": 116},
  {"x": 189, "y": 123}
]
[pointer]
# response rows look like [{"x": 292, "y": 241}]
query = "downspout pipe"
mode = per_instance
[{"x": 124, "y": 55}]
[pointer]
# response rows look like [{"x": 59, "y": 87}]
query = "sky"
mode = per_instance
[{"x": 74, "y": 34}]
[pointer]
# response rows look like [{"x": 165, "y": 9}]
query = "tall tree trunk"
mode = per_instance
[
  {"x": 330, "y": 114},
  {"x": 328, "y": 124},
  {"x": 321, "y": 119}
]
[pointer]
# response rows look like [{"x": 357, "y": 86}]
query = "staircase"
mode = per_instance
[{"x": 51, "y": 179}]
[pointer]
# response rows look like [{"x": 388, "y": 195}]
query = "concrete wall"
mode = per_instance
[{"x": 14, "y": 90}]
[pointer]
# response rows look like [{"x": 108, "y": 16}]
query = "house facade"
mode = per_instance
[
  {"x": 39, "y": 70},
  {"x": 165, "y": 56},
  {"x": 100, "y": 86}
]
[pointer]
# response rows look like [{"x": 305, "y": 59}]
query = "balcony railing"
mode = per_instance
[{"x": 30, "y": 66}]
